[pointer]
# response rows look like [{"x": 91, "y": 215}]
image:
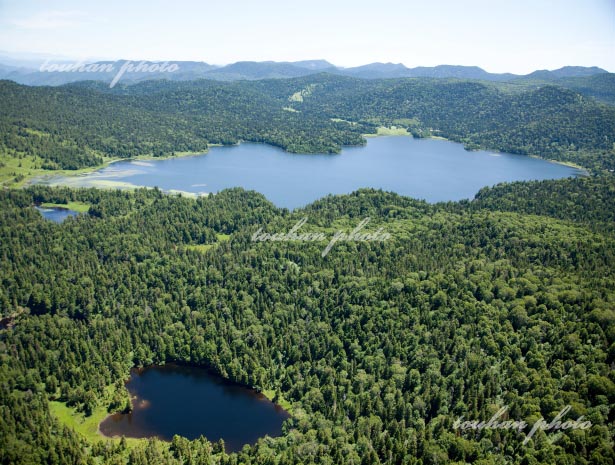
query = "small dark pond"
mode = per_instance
[
  {"x": 190, "y": 402},
  {"x": 56, "y": 214}
]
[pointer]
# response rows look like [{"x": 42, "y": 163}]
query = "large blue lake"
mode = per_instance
[{"x": 430, "y": 169}]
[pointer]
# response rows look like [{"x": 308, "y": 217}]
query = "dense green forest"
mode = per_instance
[
  {"x": 83, "y": 124},
  {"x": 550, "y": 121},
  {"x": 504, "y": 300},
  {"x": 76, "y": 126},
  {"x": 600, "y": 86}
]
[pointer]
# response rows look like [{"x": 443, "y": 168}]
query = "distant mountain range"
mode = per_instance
[{"x": 592, "y": 81}]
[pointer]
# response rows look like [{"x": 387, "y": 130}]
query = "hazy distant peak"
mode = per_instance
[
  {"x": 381, "y": 66},
  {"x": 313, "y": 64},
  {"x": 566, "y": 72},
  {"x": 598, "y": 85}
]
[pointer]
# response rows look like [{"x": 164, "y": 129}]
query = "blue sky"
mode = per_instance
[{"x": 516, "y": 36}]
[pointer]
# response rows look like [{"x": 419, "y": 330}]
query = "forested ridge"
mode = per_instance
[
  {"x": 82, "y": 124},
  {"x": 470, "y": 306},
  {"x": 75, "y": 126},
  {"x": 590, "y": 81},
  {"x": 550, "y": 121}
]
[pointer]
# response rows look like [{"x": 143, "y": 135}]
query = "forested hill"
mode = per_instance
[
  {"x": 80, "y": 125},
  {"x": 75, "y": 126},
  {"x": 379, "y": 347},
  {"x": 550, "y": 121}
]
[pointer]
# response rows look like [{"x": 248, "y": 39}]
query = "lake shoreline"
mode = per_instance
[
  {"x": 392, "y": 133},
  {"x": 269, "y": 394},
  {"x": 40, "y": 178},
  {"x": 48, "y": 174},
  {"x": 409, "y": 166}
]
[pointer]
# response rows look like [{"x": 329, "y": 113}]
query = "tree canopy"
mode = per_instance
[{"x": 380, "y": 346}]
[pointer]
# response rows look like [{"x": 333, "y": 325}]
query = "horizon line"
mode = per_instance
[{"x": 34, "y": 56}]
